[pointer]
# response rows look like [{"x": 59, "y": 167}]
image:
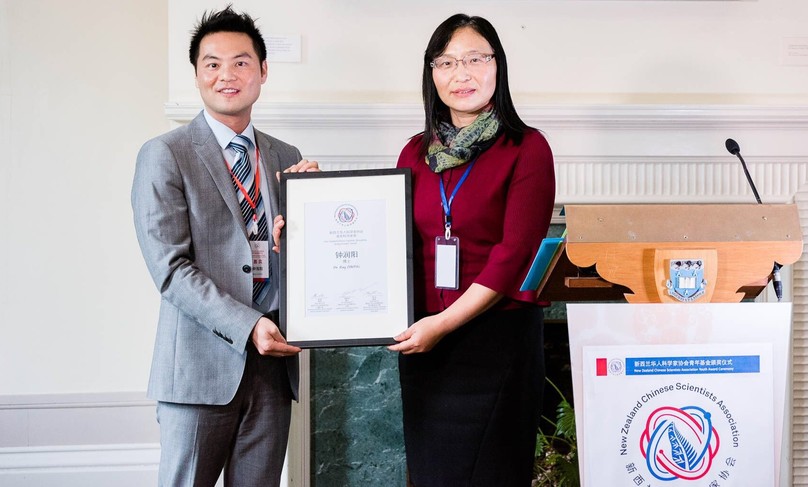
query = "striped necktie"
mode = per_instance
[{"x": 242, "y": 173}]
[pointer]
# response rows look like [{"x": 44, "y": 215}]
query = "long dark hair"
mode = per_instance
[{"x": 436, "y": 111}]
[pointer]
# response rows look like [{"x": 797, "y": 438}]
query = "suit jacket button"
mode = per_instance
[{"x": 247, "y": 269}]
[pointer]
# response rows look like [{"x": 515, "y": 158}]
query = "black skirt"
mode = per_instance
[{"x": 472, "y": 404}]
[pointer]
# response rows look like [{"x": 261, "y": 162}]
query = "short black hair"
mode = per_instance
[
  {"x": 436, "y": 111},
  {"x": 226, "y": 20}
]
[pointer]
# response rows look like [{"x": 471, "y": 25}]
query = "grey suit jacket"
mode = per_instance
[{"x": 194, "y": 241}]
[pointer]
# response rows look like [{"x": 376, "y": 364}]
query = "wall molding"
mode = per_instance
[
  {"x": 799, "y": 356},
  {"x": 79, "y": 458},
  {"x": 75, "y": 400},
  {"x": 676, "y": 179},
  {"x": 78, "y": 439},
  {"x": 609, "y": 117},
  {"x": 121, "y": 465},
  {"x": 67, "y": 420},
  {"x": 603, "y": 153}
]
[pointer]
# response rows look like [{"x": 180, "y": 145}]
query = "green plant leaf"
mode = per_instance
[
  {"x": 565, "y": 424},
  {"x": 569, "y": 473},
  {"x": 556, "y": 462}
]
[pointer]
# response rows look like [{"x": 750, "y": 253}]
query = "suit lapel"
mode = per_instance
[
  {"x": 272, "y": 165},
  {"x": 210, "y": 155}
]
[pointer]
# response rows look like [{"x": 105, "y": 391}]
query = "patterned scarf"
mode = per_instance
[{"x": 452, "y": 147}]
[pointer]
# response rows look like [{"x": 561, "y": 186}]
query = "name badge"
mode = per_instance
[
  {"x": 447, "y": 262},
  {"x": 260, "y": 259}
]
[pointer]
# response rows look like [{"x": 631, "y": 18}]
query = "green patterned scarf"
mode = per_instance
[{"x": 452, "y": 146}]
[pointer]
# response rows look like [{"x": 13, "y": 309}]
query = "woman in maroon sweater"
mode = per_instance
[{"x": 472, "y": 366}]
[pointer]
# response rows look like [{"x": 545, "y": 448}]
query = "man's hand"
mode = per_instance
[
  {"x": 277, "y": 225},
  {"x": 303, "y": 166},
  {"x": 268, "y": 340}
]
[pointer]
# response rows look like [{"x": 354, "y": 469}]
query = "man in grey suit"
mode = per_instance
[{"x": 203, "y": 198}]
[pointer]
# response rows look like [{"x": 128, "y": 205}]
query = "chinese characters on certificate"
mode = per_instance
[{"x": 346, "y": 257}]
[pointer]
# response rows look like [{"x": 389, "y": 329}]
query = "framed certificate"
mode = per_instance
[{"x": 346, "y": 257}]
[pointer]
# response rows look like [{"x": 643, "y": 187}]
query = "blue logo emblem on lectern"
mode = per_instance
[
  {"x": 679, "y": 443},
  {"x": 686, "y": 282}
]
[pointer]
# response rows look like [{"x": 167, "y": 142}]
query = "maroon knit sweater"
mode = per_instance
[{"x": 500, "y": 214}]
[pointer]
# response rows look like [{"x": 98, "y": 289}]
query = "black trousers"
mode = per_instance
[{"x": 472, "y": 404}]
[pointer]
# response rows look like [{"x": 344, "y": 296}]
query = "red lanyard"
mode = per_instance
[{"x": 250, "y": 201}]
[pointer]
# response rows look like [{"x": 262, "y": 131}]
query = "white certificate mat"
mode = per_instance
[
  {"x": 346, "y": 257},
  {"x": 679, "y": 394}
]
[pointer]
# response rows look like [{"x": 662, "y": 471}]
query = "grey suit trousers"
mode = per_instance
[{"x": 229, "y": 437}]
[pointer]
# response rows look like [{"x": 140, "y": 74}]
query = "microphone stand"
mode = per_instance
[
  {"x": 748, "y": 177},
  {"x": 735, "y": 150}
]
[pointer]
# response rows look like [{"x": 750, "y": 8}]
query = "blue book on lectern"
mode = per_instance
[{"x": 547, "y": 250}]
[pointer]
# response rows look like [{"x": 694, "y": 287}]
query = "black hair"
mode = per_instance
[
  {"x": 436, "y": 111},
  {"x": 226, "y": 20}
]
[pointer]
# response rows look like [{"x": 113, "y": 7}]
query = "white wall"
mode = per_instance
[
  {"x": 82, "y": 86},
  {"x": 559, "y": 50}
]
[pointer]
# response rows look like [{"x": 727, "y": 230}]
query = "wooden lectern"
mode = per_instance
[
  {"x": 614, "y": 252},
  {"x": 709, "y": 256}
]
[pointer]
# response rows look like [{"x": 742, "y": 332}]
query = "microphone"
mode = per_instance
[
  {"x": 735, "y": 150},
  {"x": 777, "y": 282}
]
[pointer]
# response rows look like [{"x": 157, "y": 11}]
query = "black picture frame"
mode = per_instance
[{"x": 346, "y": 257}]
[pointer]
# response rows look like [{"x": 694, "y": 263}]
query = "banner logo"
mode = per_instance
[
  {"x": 679, "y": 443},
  {"x": 616, "y": 367},
  {"x": 605, "y": 366}
]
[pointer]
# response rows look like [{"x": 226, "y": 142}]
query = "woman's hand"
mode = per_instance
[
  {"x": 427, "y": 332},
  {"x": 421, "y": 336}
]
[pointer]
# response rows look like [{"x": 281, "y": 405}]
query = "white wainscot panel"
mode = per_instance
[{"x": 77, "y": 440}]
